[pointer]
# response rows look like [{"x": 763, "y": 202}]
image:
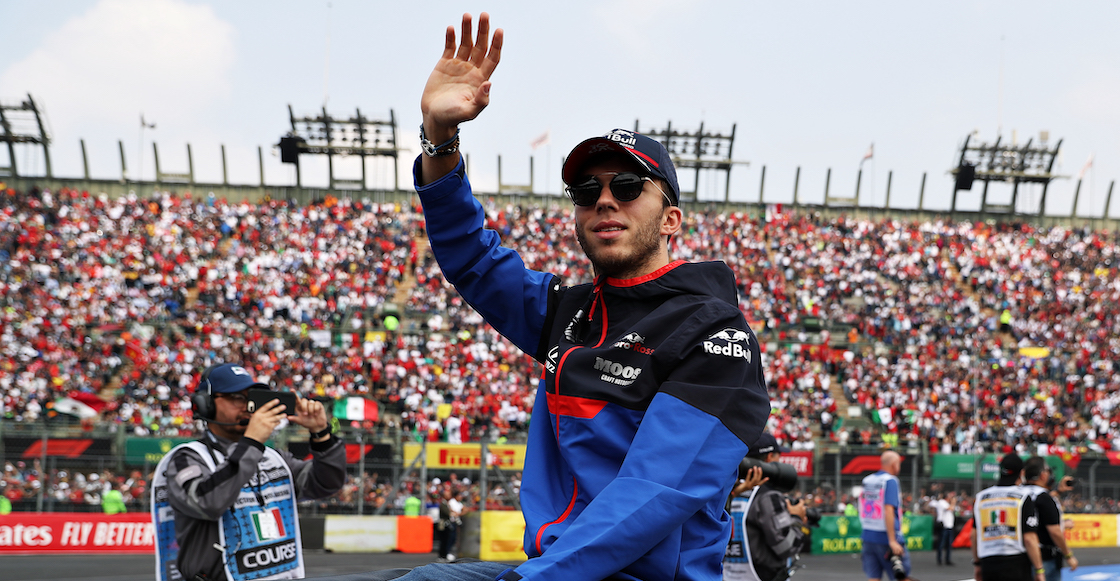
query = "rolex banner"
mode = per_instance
[
  {"x": 138, "y": 451},
  {"x": 841, "y": 534}
]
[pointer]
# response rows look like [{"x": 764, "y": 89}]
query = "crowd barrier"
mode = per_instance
[{"x": 488, "y": 535}]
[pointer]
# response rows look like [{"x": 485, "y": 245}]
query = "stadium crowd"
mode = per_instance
[{"x": 966, "y": 336}]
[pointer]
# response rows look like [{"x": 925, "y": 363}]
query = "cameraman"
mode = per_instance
[
  {"x": 224, "y": 506},
  {"x": 773, "y": 527}
]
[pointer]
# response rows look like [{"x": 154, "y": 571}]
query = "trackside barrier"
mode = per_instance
[
  {"x": 501, "y": 538},
  {"x": 414, "y": 534},
  {"x": 360, "y": 534}
]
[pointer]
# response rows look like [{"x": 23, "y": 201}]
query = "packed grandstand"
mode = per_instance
[{"x": 960, "y": 337}]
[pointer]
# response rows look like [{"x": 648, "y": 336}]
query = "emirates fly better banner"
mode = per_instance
[{"x": 61, "y": 532}]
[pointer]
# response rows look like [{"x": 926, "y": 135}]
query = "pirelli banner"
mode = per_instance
[
  {"x": 467, "y": 456},
  {"x": 841, "y": 534},
  {"x": 1091, "y": 530},
  {"x": 62, "y": 532}
]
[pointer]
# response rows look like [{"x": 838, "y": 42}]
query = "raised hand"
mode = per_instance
[
  {"x": 459, "y": 86},
  {"x": 310, "y": 414},
  {"x": 264, "y": 421}
]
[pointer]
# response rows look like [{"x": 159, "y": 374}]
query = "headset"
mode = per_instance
[{"x": 202, "y": 401}]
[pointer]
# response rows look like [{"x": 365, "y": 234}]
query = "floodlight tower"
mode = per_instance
[
  {"x": 326, "y": 135},
  {"x": 999, "y": 162},
  {"x": 697, "y": 151},
  {"x": 23, "y": 123}
]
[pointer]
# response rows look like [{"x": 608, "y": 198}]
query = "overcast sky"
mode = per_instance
[{"x": 809, "y": 84}]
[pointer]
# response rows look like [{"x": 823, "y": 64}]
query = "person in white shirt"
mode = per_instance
[{"x": 944, "y": 521}]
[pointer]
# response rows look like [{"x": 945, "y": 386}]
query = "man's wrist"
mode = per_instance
[
  {"x": 437, "y": 133},
  {"x": 320, "y": 434}
]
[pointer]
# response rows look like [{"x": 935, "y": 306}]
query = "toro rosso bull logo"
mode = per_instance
[
  {"x": 634, "y": 342},
  {"x": 730, "y": 342}
]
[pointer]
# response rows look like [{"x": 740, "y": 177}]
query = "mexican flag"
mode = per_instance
[
  {"x": 355, "y": 408},
  {"x": 69, "y": 405}
]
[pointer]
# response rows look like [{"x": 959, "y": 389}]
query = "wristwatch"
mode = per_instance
[
  {"x": 324, "y": 432},
  {"x": 446, "y": 148}
]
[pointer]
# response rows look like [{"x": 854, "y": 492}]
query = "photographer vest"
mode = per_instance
[
  {"x": 737, "y": 562},
  {"x": 259, "y": 534},
  {"x": 999, "y": 521},
  {"x": 873, "y": 505}
]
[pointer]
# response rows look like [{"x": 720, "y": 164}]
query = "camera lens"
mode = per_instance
[{"x": 783, "y": 477}]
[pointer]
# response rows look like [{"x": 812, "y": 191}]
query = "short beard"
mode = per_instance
[{"x": 647, "y": 242}]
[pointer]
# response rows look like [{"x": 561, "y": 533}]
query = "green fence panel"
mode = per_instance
[{"x": 841, "y": 534}]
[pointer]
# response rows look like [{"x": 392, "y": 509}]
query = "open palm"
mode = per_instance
[{"x": 459, "y": 86}]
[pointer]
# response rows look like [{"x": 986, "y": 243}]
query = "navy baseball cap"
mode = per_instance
[
  {"x": 649, "y": 153},
  {"x": 228, "y": 378},
  {"x": 766, "y": 443}
]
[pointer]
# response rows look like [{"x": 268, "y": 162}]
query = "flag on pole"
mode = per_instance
[
  {"x": 1088, "y": 164},
  {"x": 355, "y": 408},
  {"x": 540, "y": 141},
  {"x": 870, "y": 152},
  {"x": 145, "y": 124}
]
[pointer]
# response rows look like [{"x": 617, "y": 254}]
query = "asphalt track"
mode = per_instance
[{"x": 1096, "y": 565}]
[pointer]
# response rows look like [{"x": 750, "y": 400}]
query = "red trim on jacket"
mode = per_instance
[
  {"x": 574, "y": 407},
  {"x": 624, "y": 282},
  {"x": 563, "y": 517}
]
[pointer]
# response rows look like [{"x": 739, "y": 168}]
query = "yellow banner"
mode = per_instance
[
  {"x": 503, "y": 532},
  {"x": 1091, "y": 530},
  {"x": 468, "y": 456}
]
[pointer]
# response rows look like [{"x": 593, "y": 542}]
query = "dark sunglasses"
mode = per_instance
[{"x": 625, "y": 187}]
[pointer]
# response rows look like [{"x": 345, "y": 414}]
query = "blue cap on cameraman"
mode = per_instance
[
  {"x": 766, "y": 443},
  {"x": 228, "y": 378},
  {"x": 649, "y": 153}
]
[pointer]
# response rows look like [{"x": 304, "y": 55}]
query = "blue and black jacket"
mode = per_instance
[{"x": 653, "y": 387}]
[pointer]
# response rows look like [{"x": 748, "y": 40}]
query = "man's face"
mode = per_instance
[
  {"x": 231, "y": 408},
  {"x": 625, "y": 239}
]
